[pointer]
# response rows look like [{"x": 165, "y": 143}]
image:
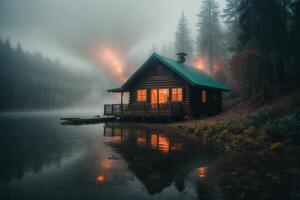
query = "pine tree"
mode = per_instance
[
  {"x": 294, "y": 38},
  {"x": 263, "y": 28},
  {"x": 167, "y": 49},
  {"x": 183, "y": 41},
  {"x": 231, "y": 18},
  {"x": 209, "y": 40}
]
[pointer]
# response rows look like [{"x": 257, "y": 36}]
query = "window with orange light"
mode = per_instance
[
  {"x": 141, "y": 95},
  {"x": 176, "y": 94},
  {"x": 203, "y": 96},
  {"x": 163, "y": 95}
]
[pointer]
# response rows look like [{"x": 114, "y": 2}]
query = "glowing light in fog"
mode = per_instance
[
  {"x": 112, "y": 62},
  {"x": 199, "y": 62}
]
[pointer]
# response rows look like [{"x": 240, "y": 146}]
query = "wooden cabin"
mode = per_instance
[{"x": 165, "y": 88}]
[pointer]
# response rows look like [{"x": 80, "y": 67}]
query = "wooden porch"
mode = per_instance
[{"x": 144, "y": 110}]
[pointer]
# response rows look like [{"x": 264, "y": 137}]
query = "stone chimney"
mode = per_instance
[{"x": 181, "y": 57}]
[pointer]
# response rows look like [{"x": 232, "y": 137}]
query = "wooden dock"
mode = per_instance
[{"x": 82, "y": 121}]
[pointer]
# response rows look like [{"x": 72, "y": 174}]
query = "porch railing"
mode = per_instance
[{"x": 143, "y": 109}]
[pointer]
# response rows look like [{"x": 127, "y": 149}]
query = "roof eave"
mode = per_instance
[
  {"x": 215, "y": 88},
  {"x": 115, "y": 90}
]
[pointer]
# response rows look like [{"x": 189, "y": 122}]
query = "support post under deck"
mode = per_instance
[{"x": 121, "y": 105}]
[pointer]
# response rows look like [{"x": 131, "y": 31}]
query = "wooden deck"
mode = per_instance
[{"x": 144, "y": 110}]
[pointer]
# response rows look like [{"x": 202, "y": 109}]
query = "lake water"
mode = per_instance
[{"x": 42, "y": 159}]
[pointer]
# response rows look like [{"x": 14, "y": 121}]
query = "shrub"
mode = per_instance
[{"x": 287, "y": 127}]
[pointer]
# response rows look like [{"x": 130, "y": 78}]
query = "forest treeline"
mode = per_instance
[
  {"x": 253, "y": 45},
  {"x": 31, "y": 81},
  {"x": 265, "y": 45}
]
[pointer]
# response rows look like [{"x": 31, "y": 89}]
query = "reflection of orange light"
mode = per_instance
[
  {"x": 160, "y": 142},
  {"x": 117, "y": 139},
  {"x": 111, "y": 62},
  {"x": 141, "y": 138},
  {"x": 117, "y": 135},
  {"x": 154, "y": 141},
  {"x": 201, "y": 172},
  {"x": 177, "y": 146},
  {"x": 164, "y": 144},
  {"x": 117, "y": 132},
  {"x": 106, "y": 164},
  {"x": 100, "y": 179}
]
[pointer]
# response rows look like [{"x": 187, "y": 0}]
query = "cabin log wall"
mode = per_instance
[
  {"x": 156, "y": 75},
  {"x": 213, "y": 104}
]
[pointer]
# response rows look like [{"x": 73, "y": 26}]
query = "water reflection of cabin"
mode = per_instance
[
  {"x": 143, "y": 137},
  {"x": 163, "y": 87},
  {"x": 157, "y": 158}
]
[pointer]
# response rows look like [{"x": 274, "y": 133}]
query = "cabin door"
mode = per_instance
[
  {"x": 159, "y": 96},
  {"x": 163, "y": 95}
]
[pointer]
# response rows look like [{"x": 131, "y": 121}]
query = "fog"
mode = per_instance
[
  {"x": 89, "y": 34},
  {"x": 71, "y": 30}
]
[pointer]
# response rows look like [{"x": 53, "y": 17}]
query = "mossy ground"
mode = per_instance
[
  {"x": 261, "y": 148},
  {"x": 244, "y": 127}
]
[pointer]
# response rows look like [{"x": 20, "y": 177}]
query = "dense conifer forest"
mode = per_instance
[
  {"x": 32, "y": 81},
  {"x": 252, "y": 45}
]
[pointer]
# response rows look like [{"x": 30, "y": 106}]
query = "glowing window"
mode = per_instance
[
  {"x": 163, "y": 95},
  {"x": 203, "y": 96},
  {"x": 177, "y": 94},
  {"x": 141, "y": 95}
]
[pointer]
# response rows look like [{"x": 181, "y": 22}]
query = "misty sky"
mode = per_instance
[{"x": 71, "y": 30}]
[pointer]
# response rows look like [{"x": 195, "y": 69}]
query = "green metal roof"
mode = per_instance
[{"x": 192, "y": 75}]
